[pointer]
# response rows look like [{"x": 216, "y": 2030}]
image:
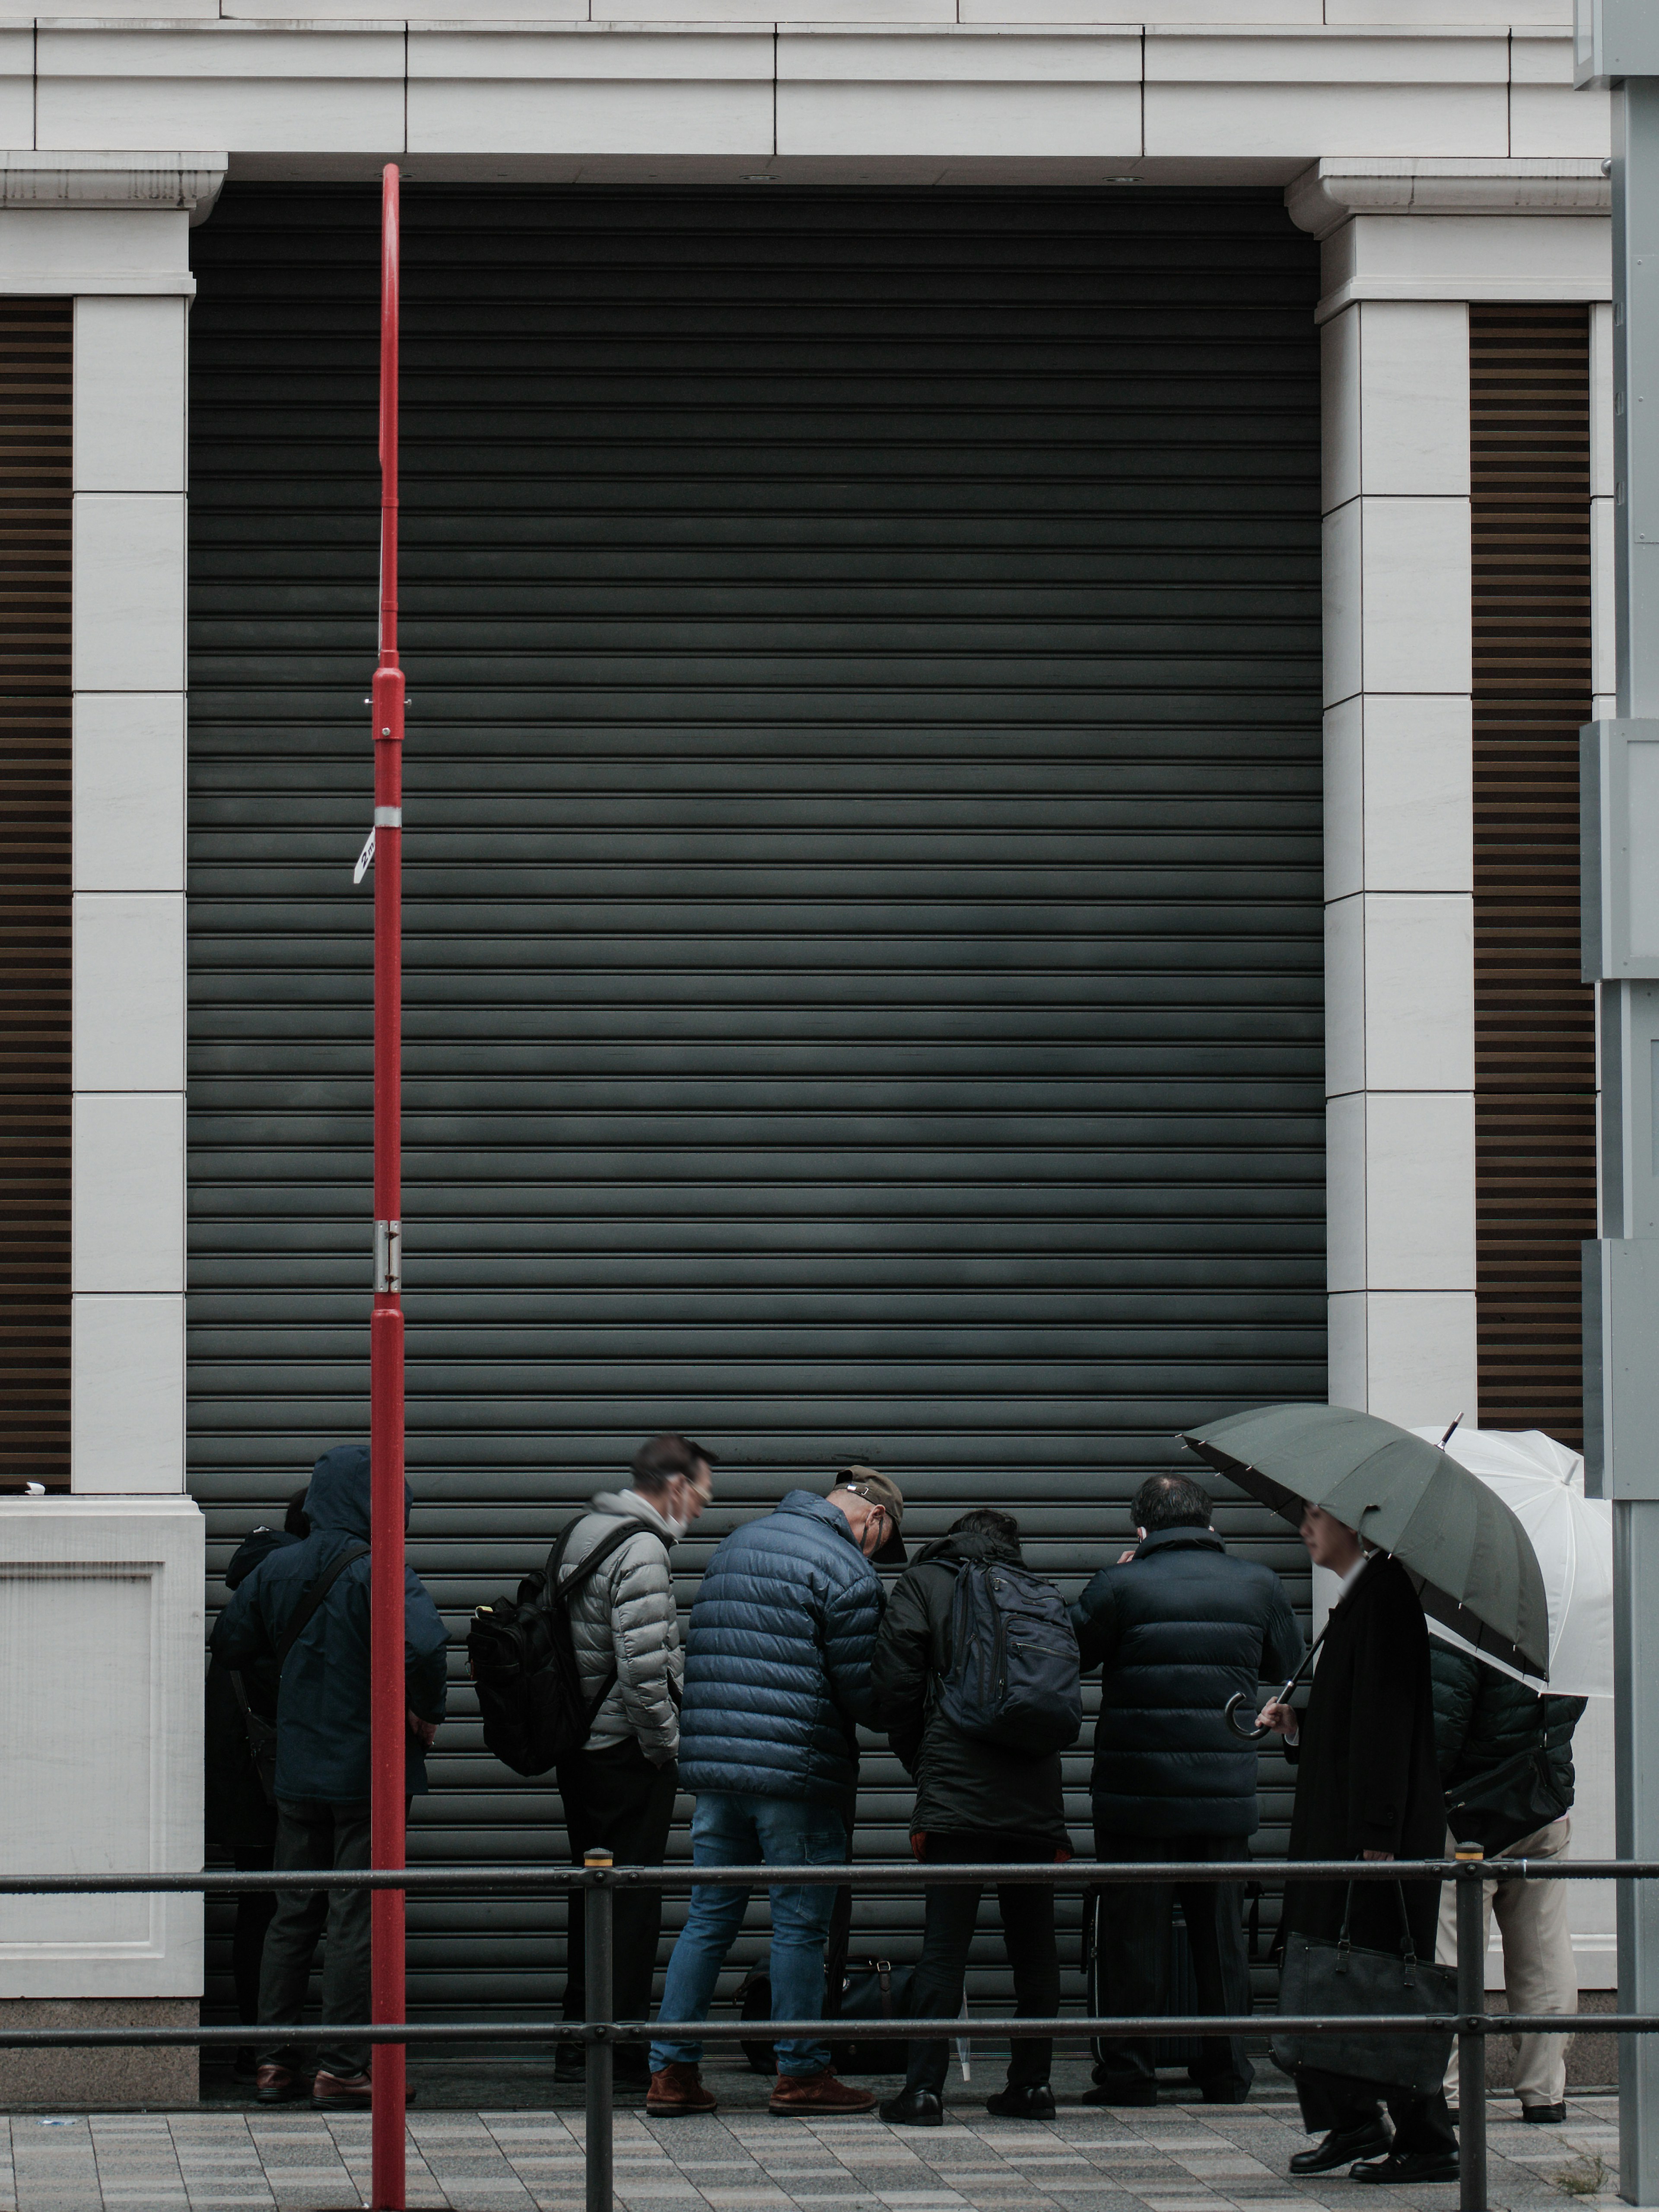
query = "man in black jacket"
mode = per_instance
[
  {"x": 1490, "y": 1732},
  {"x": 974, "y": 1801},
  {"x": 1177, "y": 1627}
]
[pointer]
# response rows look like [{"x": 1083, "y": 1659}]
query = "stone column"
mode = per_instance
[{"x": 101, "y": 1592}]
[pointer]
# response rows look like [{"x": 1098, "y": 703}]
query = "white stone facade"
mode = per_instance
[{"x": 1440, "y": 162}]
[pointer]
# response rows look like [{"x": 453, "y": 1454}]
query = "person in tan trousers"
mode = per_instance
[{"x": 1506, "y": 1757}]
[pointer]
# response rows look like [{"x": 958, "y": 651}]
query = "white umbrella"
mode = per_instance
[{"x": 1542, "y": 1483}]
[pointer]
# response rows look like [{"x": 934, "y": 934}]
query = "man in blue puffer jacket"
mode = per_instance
[{"x": 777, "y": 1677}]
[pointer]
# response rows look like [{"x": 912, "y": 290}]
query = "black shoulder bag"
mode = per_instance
[
  {"x": 261, "y": 1732},
  {"x": 1322, "y": 1977}
]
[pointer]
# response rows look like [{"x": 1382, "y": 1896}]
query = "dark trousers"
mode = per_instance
[
  {"x": 254, "y": 1908},
  {"x": 1134, "y": 1935},
  {"x": 314, "y": 1835},
  {"x": 1027, "y": 1931},
  {"x": 1336, "y": 2100},
  {"x": 616, "y": 1798}
]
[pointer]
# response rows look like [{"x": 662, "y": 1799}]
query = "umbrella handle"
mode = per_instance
[{"x": 1251, "y": 1735}]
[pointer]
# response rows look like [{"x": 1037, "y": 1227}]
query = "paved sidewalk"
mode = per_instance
[{"x": 1178, "y": 2157}]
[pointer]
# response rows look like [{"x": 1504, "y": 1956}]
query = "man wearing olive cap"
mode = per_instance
[{"x": 777, "y": 1679}]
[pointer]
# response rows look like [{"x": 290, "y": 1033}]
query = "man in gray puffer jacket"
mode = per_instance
[{"x": 618, "y": 1789}]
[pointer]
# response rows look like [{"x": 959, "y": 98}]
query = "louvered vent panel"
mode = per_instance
[
  {"x": 36, "y": 362},
  {"x": 1534, "y": 1020}
]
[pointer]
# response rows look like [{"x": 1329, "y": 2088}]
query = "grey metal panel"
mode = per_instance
[{"x": 864, "y": 960}]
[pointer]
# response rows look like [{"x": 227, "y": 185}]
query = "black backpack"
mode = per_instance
[
  {"x": 523, "y": 1659},
  {"x": 1014, "y": 1677}
]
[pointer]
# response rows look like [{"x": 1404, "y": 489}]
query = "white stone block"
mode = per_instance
[
  {"x": 17, "y": 82},
  {"x": 1344, "y": 809},
  {"x": 1419, "y": 803},
  {"x": 127, "y": 1394},
  {"x": 1420, "y": 1357},
  {"x": 128, "y": 394},
  {"x": 1287, "y": 121},
  {"x": 128, "y": 583},
  {"x": 1306, "y": 14},
  {"x": 129, "y": 1191},
  {"x": 1414, "y": 398},
  {"x": 109, "y": 251},
  {"x": 1551, "y": 122},
  {"x": 1340, "y": 584},
  {"x": 563, "y": 92},
  {"x": 254, "y": 87},
  {"x": 1463, "y": 258},
  {"x": 103, "y": 1764},
  {"x": 129, "y": 778},
  {"x": 129, "y": 996},
  {"x": 1417, "y": 593},
  {"x": 1376, "y": 55},
  {"x": 1419, "y": 992},
  {"x": 1604, "y": 626},
  {"x": 1344, "y": 1340},
  {"x": 1419, "y": 1191},
  {"x": 1339, "y": 406},
  {"x": 1345, "y": 996},
  {"x": 1345, "y": 1193},
  {"x": 1432, "y": 15}
]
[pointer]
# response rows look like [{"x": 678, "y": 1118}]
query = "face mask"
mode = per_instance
[{"x": 673, "y": 1522}]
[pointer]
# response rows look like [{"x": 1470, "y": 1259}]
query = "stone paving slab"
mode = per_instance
[{"x": 1171, "y": 2159}]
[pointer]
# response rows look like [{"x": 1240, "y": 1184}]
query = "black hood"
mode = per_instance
[
  {"x": 338, "y": 1496},
  {"x": 973, "y": 1547}
]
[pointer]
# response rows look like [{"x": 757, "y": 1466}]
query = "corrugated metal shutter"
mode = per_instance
[
  {"x": 864, "y": 963},
  {"x": 1534, "y": 1083},
  {"x": 37, "y": 352}
]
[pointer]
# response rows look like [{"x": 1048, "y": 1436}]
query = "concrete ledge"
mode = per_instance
[{"x": 165, "y": 2075}]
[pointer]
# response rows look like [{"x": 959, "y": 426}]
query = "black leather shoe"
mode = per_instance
[
  {"x": 1409, "y": 2166},
  {"x": 1544, "y": 2116},
  {"x": 913, "y": 2108},
  {"x": 1122, "y": 2093},
  {"x": 1342, "y": 2146},
  {"x": 1030, "y": 2100},
  {"x": 570, "y": 2063},
  {"x": 280, "y": 2085}
]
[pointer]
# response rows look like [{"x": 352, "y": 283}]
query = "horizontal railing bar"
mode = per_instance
[
  {"x": 974, "y": 2029},
  {"x": 895, "y": 1873}
]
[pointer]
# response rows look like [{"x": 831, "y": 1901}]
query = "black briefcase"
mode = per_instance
[{"x": 1319, "y": 1976}]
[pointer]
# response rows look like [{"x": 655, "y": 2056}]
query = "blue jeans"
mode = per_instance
[{"x": 733, "y": 1831}]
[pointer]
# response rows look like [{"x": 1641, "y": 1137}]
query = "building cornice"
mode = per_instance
[
  {"x": 148, "y": 183},
  {"x": 1329, "y": 194}
]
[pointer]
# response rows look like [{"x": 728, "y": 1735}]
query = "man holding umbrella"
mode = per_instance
[{"x": 1404, "y": 1528}]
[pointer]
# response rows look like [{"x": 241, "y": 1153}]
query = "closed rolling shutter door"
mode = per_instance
[{"x": 864, "y": 934}]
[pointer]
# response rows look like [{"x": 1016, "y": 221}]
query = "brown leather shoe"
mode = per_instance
[
  {"x": 677, "y": 2091},
  {"x": 280, "y": 2085},
  {"x": 342, "y": 2093},
  {"x": 802, "y": 2095}
]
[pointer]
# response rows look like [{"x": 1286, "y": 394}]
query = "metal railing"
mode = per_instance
[{"x": 601, "y": 1880}]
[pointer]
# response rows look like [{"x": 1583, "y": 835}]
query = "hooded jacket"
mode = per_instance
[
  {"x": 322, "y": 1707},
  {"x": 1175, "y": 1631},
  {"x": 777, "y": 1658},
  {"x": 962, "y": 1784},
  {"x": 624, "y": 1616},
  {"x": 236, "y": 1814}
]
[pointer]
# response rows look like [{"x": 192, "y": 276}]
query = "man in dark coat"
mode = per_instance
[
  {"x": 1177, "y": 1629},
  {"x": 777, "y": 1679},
  {"x": 1487, "y": 1729},
  {"x": 238, "y": 1818},
  {"x": 974, "y": 1801},
  {"x": 322, "y": 1761},
  {"x": 1367, "y": 1787}
]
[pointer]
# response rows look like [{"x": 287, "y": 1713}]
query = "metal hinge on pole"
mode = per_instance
[{"x": 388, "y": 1256}]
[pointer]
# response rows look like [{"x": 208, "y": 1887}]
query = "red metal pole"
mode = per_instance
[{"x": 386, "y": 1327}]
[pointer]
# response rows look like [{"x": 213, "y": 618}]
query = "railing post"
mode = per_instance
[
  {"x": 1471, "y": 2037},
  {"x": 597, "y": 1922}
]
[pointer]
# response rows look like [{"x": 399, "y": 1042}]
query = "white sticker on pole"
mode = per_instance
[{"x": 364, "y": 858}]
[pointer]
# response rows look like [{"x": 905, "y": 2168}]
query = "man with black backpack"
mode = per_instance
[
  {"x": 305, "y": 1610},
  {"x": 976, "y": 1681},
  {"x": 618, "y": 1787},
  {"x": 1175, "y": 1627}
]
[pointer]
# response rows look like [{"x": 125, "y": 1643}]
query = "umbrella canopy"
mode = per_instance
[
  {"x": 1469, "y": 1556},
  {"x": 1542, "y": 1483}
]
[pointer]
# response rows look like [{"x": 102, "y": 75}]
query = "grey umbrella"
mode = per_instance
[{"x": 1470, "y": 1559}]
